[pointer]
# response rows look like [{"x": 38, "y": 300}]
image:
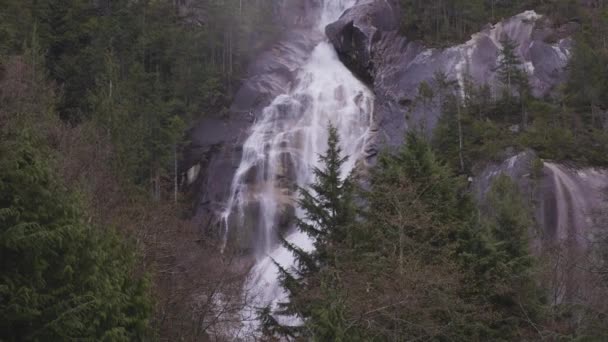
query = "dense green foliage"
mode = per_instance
[
  {"x": 142, "y": 70},
  {"x": 446, "y": 22},
  {"x": 329, "y": 209},
  {"x": 416, "y": 263},
  {"x": 504, "y": 268},
  {"x": 563, "y": 126},
  {"x": 412, "y": 257},
  {"x": 494, "y": 117},
  {"x": 60, "y": 278},
  {"x": 105, "y": 91}
]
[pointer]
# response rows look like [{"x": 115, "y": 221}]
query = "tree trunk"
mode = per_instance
[
  {"x": 401, "y": 238},
  {"x": 175, "y": 173},
  {"x": 460, "y": 138},
  {"x": 524, "y": 115}
]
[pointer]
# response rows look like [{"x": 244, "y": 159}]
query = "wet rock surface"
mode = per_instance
[
  {"x": 567, "y": 201},
  {"x": 569, "y": 205},
  {"x": 356, "y": 33}
]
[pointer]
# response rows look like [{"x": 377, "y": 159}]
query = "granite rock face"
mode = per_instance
[
  {"x": 358, "y": 31},
  {"x": 367, "y": 40},
  {"x": 569, "y": 202},
  {"x": 563, "y": 198}
]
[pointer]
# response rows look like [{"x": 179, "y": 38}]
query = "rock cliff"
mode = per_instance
[
  {"x": 368, "y": 41},
  {"x": 568, "y": 201}
]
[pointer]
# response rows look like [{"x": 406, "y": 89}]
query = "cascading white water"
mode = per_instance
[{"x": 283, "y": 147}]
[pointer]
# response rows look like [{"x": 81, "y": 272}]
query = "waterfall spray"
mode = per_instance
[{"x": 283, "y": 147}]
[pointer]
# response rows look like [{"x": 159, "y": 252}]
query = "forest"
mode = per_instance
[
  {"x": 95, "y": 100},
  {"x": 96, "y": 237}
]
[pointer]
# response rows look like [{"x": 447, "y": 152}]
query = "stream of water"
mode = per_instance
[{"x": 284, "y": 146}]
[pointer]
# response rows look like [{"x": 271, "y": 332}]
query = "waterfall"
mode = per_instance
[
  {"x": 573, "y": 211},
  {"x": 283, "y": 146}
]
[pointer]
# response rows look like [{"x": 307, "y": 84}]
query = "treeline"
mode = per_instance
[
  {"x": 62, "y": 276},
  {"x": 417, "y": 259},
  {"x": 142, "y": 70},
  {"x": 479, "y": 122},
  {"x": 449, "y": 22},
  {"x": 94, "y": 99}
]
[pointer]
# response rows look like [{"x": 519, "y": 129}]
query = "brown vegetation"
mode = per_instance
[{"x": 197, "y": 289}]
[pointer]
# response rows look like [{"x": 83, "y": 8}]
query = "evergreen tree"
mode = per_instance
[
  {"x": 425, "y": 99},
  {"x": 328, "y": 202},
  {"x": 587, "y": 85},
  {"x": 509, "y": 70},
  {"x": 450, "y": 127},
  {"x": 431, "y": 182},
  {"x": 444, "y": 23},
  {"x": 328, "y": 212},
  {"x": 446, "y": 137},
  {"x": 399, "y": 261},
  {"x": 59, "y": 278},
  {"x": 503, "y": 264},
  {"x": 513, "y": 76},
  {"x": 67, "y": 31}
]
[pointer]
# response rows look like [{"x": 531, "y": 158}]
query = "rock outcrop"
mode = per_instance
[
  {"x": 367, "y": 40},
  {"x": 568, "y": 201},
  {"x": 358, "y": 31}
]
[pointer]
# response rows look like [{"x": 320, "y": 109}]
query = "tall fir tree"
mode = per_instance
[
  {"x": 514, "y": 77},
  {"x": 328, "y": 212},
  {"x": 60, "y": 279},
  {"x": 503, "y": 265},
  {"x": 399, "y": 261},
  {"x": 510, "y": 65}
]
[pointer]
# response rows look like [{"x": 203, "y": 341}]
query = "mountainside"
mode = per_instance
[
  {"x": 367, "y": 39},
  {"x": 294, "y": 170},
  {"x": 484, "y": 116}
]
